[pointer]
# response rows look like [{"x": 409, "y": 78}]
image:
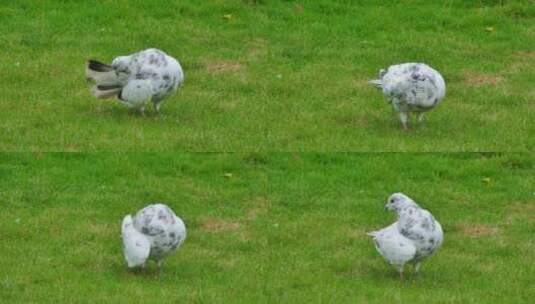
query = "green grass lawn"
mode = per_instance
[
  {"x": 269, "y": 75},
  {"x": 277, "y": 228}
]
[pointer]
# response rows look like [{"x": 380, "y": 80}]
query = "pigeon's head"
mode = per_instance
[
  {"x": 120, "y": 61},
  {"x": 399, "y": 201},
  {"x": 382, "y": 73},
  {"x": 127, "y": 222},
  {"x": 121, "y": 66}
]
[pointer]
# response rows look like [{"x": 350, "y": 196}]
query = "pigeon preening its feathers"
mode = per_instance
[
  {"x": 415, "y": 236},
  {"x": 411, "y": 87},
  {"x": 152, "y": 234},
  {"x": 146, "y": 76}
]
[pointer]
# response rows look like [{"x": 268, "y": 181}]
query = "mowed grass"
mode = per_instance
[
  {"x": 264, "y": 228},
  {"x": 269, "y": 75}
]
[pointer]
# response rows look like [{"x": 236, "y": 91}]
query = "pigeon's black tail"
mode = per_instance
[
  {"x": 100, "y": 73},
  {"x": 98, "y": 66},
  {"x": 376, "y": 82},
  {"x": 372, "y": 233},
  {"x": 104, "y": 91}
]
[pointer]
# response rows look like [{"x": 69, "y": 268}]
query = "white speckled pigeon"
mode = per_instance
[
  {"x": 414, "y": 237},
  {"x": 411, "y": 87},
  {"x": 153, "y": 233},
  {"x": 146, "y": 76}
]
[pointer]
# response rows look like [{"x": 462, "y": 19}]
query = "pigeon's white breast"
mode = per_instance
[
  {"x": 137, "y": 93},
  {"x": 136, "y": 246},
  {"x": 393, "y": 246}
]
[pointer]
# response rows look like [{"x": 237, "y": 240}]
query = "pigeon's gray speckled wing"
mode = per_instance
[
  {"x": 415, "y": 84},
  {"x": 420, "y": 226},
  {"x": 163, "y": 71},
  {"x": 164, "y": 229}
]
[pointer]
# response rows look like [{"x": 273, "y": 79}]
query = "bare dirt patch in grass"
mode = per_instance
[
  {"x": 259, "y": 207},
  {"x": 258, "y": 48},
  {"x": 524, "y": 208},
  {"x": 222, "y": 66},
  {"x": 477, "y": 230},
  {"x": 212, "y": 224},
  {"x": 479, "y": 79},
  {"x": 519, "y": 211},
  {"x": 525, "y": 54},
  {"x": 520, "y": 61}
]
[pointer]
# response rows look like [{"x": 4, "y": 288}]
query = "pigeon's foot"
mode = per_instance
[
  {"x": 404, "y": 118},
  {"x": 421, "y": 116},
  {"x": 142, "y": 111},
  {"x": 417, "y": 267},
  {"x": 400, "y": 270},
  {"x": 157, "y": 107},
  {"x": 142, "y": 269}
]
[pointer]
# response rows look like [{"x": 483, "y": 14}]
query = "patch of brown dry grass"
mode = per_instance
[
  {"x": 216, "y": 67},
  {"x": 521, "y": 61},
  {"x": 258, "y": 48},
  {"x": 480, "y": 79},
  {"x": 475, "y": 230},
  {"x": 216, "y": 225},
  {"x": 259, "y": 207},
  {"x": 518, "y": 211}
]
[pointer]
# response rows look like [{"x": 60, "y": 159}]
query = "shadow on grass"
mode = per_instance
[
  {"x": 121, "y": 113},
  {"x": 381, "y": 274},
  {"x": 151, "y": 272},
  {"x": 387, "y": 124}
]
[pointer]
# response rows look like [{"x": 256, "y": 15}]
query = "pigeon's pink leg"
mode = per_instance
[
  {"x": 157, "y": 107},
  {"x": 420, "y": 116},
  {"x": 143, "y": 268},
  {"x": 404, "y": 117},
  {"x": 400, "y": 270},
  {"x": 417, "y": 267}
]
